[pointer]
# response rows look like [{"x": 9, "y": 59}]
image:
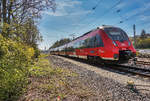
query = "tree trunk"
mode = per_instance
[
  {"x": 4, "y": 9},
  {"x": 0, "y": 12},
  {"x": 10, "y": 11}
]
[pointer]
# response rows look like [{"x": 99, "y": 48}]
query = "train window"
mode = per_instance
[
  {"x": 63, "y": 49},
  {"x": 92, "y": 42},
  {"x": 76, "y": 45},
  {"x": 70, "y": 48},
  {"x": 99, "y": 42},
  {"x": 87, "y": 42},
  {"x": 79, "y": 44},
  {"x": 82, "y": 44},
  {"x": 116, "y": 34}
]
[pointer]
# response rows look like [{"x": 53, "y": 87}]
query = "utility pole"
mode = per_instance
[{"x": 134, "y": 31}]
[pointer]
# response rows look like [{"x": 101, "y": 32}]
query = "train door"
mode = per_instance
[
  {"x": 96, "y": 46},
  {"x": 99, "y": 45},
  {"x": 92, "y": 44}
]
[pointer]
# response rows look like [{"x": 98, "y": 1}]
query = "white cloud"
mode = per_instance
[
  {"x": 121, "y": 5},
  {"x": 81, "y": 12},
  {"x": 63, "y": 13},
  {"x": 57, "y": 13},
  {"x": 65, "y": 5}
]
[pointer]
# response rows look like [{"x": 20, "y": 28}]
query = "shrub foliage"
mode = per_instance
[
  {"x": 143, "y": 43},
  {"x": 19, "y": 36},
  {"x": 15, "y": 59}
]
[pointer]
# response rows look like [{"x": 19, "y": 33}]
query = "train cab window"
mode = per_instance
[{"x": 116, "y": 34}]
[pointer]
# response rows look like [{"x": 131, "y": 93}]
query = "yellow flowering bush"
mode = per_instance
[{"x": 15, "y": 58}]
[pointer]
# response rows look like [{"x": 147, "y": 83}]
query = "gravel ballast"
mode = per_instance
[{"x": 107, "y": 85}]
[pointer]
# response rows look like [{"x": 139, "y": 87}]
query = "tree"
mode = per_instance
[
  {"x": 18, "y": 18},
  {"x": 32, "y": 34},
  {"x": 19, "y": 11},
  {"x": 24, "y": 9},
  {"x": 143, "y": 34},
  {"x": 61, "y": 42}
]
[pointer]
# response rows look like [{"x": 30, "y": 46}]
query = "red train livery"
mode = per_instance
[{"x": 106, "y": 43}]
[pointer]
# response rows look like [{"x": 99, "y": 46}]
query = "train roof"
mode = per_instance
[
  {"x": 84, "y": 34},
  {"x": 100, "y": 27},
  {"x": 106, "y": 26}
]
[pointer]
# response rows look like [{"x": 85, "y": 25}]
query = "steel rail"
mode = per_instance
[
  {"x": 143, "y": 62},
  {"x": 124, "y": 68},
  {"x": 133, "y": 70}
]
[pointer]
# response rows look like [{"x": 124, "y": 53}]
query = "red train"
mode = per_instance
[{"x": 105, "y": 43}]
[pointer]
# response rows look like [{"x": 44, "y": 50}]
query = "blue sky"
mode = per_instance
[{"x": 77, "y": 17}]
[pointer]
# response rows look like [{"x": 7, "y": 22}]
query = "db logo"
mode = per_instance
[
  {"x": 101, "y": 51},
  {"x": 123, "y": 44}
]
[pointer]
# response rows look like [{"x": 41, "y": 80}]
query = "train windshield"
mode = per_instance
[{"x": 116, "y": 34}]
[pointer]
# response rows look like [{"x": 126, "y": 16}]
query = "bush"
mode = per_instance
[
  {"x": 143, "y": 43},
  {"x": 15, "y": 59}
]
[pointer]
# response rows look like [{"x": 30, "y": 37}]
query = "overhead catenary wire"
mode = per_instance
[
  {"x": 96, "y": 5},
  {"x": 130, "y": 17},
  {"x": 106, "y": 12},
  {"x": 144, "y": 23},
  {"x": 92, "y": 10},
  {"x": 118, "y": 13},
  {"x": 123, "y": 20}
]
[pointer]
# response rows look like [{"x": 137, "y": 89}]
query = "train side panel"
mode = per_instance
[{"x": 106, "y": 44}]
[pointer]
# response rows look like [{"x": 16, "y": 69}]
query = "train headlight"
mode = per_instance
[
  {"x": 129, "y": 43},
  {"x": 114, "y": 43}
]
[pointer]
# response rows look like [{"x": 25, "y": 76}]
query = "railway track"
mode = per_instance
[
  {"x": 123, "y": 68},
  {"x": 132, "y": 70},
  {"x": 142, "y": 62}
]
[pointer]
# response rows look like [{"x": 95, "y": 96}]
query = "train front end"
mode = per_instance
[{"x": 121, "y": 46}]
